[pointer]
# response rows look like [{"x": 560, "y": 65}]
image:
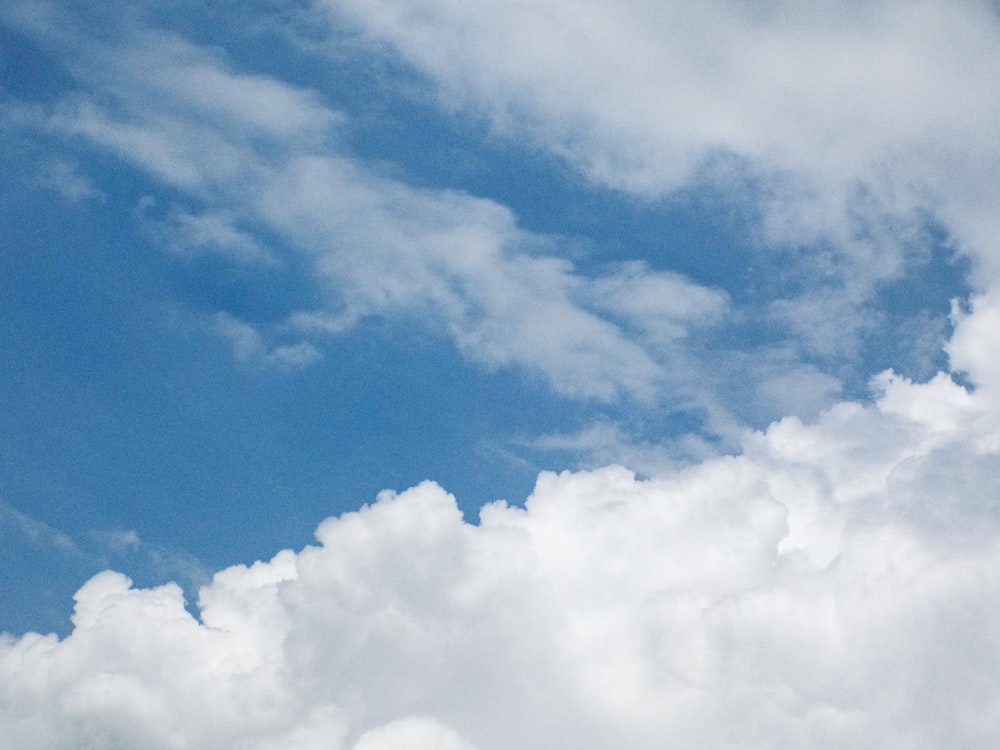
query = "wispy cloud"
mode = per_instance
[
  {"x": 35, "y": 531},
  {"x": 188, "y": 234},
  {"x": 65, "y": 178},
  {"x": 248, "y": 345},
  {"x": 260, "y": 152},
  {"x": 124, "y": 547},
  {"x": 854, "y": 124}
]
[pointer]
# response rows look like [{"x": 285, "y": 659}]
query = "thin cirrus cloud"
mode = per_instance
[
  {"x": 383, "y": 246},
  {"x": 248, "y": 345}
]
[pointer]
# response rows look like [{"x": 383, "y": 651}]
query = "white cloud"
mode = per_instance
[
  {"x": 837, "y": 127},
  {"x": 782, "y": 83},
  {"x": 384, "y": 247},
  {"x": 196, "y": 82},
  {"x": 784, "y": 386},
  {"x": 35, "y": 531},
  {"x": 833, "y": 585},
  {"x": 663, "y": 305},
  {"x": 249, "y": 345},
  {"x": 838, "y": 163},
  {"x": 603, "y": 442},
  {"x": 119, "y": 540},
  {"x": 188, "y": 234},
  {"x": 259, "y": 153},
  {"x": 64, "y": 177},
  {"x": 854, "y": 122},
  {"x": 418, "y": 733},
  {"x": 124, "y": 547},
  {"x": 972, "y": 349}
]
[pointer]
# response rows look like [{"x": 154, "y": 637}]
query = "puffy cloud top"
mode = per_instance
[{"x": 833, "y": 585}]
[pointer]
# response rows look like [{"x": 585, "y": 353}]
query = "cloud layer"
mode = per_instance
[
  {"x": 244, "y": 157},
  {"x": 836, "y": 135},
  {"x": 846, "y": 130}
]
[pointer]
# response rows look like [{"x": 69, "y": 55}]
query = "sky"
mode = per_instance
[{"x": 473, "y": 376}]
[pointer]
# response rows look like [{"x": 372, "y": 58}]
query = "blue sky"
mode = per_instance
[
  {"x": 132, "y": 412},
  {"x": 258, "y": 265}
]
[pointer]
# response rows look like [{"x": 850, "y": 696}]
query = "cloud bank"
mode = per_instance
[{"x": 833, "y": 585}]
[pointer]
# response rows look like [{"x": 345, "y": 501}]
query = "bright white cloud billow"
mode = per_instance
[{"x": 833, "y": 585}]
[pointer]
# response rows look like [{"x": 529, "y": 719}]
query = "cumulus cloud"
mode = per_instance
[
  {"x": 977, "y": 335},
  {"x": 832, "y": 585}
]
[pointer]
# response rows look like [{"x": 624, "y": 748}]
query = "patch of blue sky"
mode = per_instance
[
  {"x": 38, "y": 584},
  {"x": 28, "y": 73},
  {"x": 125, "y": 414},
  {"x": 912, "y": 315}
]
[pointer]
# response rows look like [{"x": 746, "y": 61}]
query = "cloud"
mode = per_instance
[
  {"x": 187, "y": 234},
  {"x": 259, "y": 153},
  {"x": 778, "y": 83},
  {"x": 833, "y": 584},
  {"x": 737, "y": 103},
  {"x": 977, "y": 334},
  {"x": 124, "y": 547},
  {"x": 603, "y": 442},
  {"x": 843, "y": 130},
  {"x": 384, "y": 247},
  {"x": 248, "y": 345},
  {"x": 37, "y": 532},
  {"x": 65, "y": 178},
  {"x": 119, "y": 540},
  {"x": 664, "y": 305},
  {"x": 419, "y": 733}
]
